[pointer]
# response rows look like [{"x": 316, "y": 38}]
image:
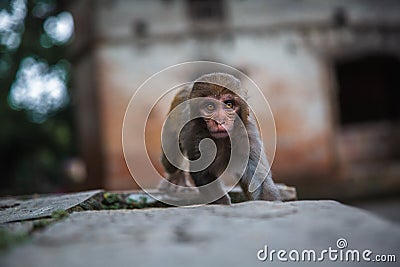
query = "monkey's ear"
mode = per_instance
[
  {"x": 244, "y": 111},
  {"x": 201, "y": 84},
  {"x": 200, "y": 89}
]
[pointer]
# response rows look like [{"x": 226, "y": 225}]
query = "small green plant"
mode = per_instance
[
  {"x": 59, "y": 214},
  {"x": 42, "y": 223},
  {"x": 112, "y": 201},
  {"x": 55, "y": 216},
  {"x": 141, "y": 203}
]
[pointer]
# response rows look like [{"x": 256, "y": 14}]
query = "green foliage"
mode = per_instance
[
  {"x": 59, "y": 215},
  {"x": 113, "y": 201},
  {"x": 42, "y": 223},
  {"x": 32, "y": 154},
  {"x": 55, "y": 216},
  {"x": 142, "y": 203}
]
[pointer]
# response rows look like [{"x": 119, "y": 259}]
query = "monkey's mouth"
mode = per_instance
[{"x": 219, "y": 134}]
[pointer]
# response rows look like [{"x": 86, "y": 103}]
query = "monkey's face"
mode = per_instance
[{"x": 219, "y": 114}]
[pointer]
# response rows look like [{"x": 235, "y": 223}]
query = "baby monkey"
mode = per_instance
[{"x": 220, "y": 114}]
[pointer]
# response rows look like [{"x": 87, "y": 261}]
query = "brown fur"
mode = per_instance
[{"x": 218, "y": 86}]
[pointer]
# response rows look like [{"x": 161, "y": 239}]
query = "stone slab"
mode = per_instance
[
  {"x": 288, "y": 193},
  {"x": 14, "y": 209},
  {"x": 206, "y": 236}
]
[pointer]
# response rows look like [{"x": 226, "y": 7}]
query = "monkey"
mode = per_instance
[{"x": 217, "y": 115}]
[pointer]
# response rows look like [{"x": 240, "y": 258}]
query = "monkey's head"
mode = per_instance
[{"x": 219, "y": 103}]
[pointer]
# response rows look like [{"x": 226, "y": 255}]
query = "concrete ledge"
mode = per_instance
[{"x": 206, "y": 235}]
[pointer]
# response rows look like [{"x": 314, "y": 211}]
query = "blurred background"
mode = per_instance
[{"x": 329, "y": 69}]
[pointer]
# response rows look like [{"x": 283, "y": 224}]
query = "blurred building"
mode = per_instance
[{"x": 329, "y": 69}]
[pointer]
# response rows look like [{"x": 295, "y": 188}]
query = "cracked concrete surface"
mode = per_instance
[{"x": 205, "y": 235}]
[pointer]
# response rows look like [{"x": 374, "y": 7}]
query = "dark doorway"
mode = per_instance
[
  {"x": 369, "y": 89},
  {"x": 369, "y": 110},
  {"x": 206, "y": 10}
]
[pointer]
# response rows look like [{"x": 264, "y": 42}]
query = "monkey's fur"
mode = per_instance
[{"x": 225, "y": 97}]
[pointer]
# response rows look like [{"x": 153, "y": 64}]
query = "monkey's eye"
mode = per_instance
[
  {"x": 210, "y": 106},
  {"x": 229, "y": 104}
]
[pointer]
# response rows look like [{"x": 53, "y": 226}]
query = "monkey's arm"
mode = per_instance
[
  {"x": 257, "y": 182},
  {"x": 175, "y": 175}
]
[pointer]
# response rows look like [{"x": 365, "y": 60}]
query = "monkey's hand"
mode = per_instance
[{"x": 177, "y": 183}]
